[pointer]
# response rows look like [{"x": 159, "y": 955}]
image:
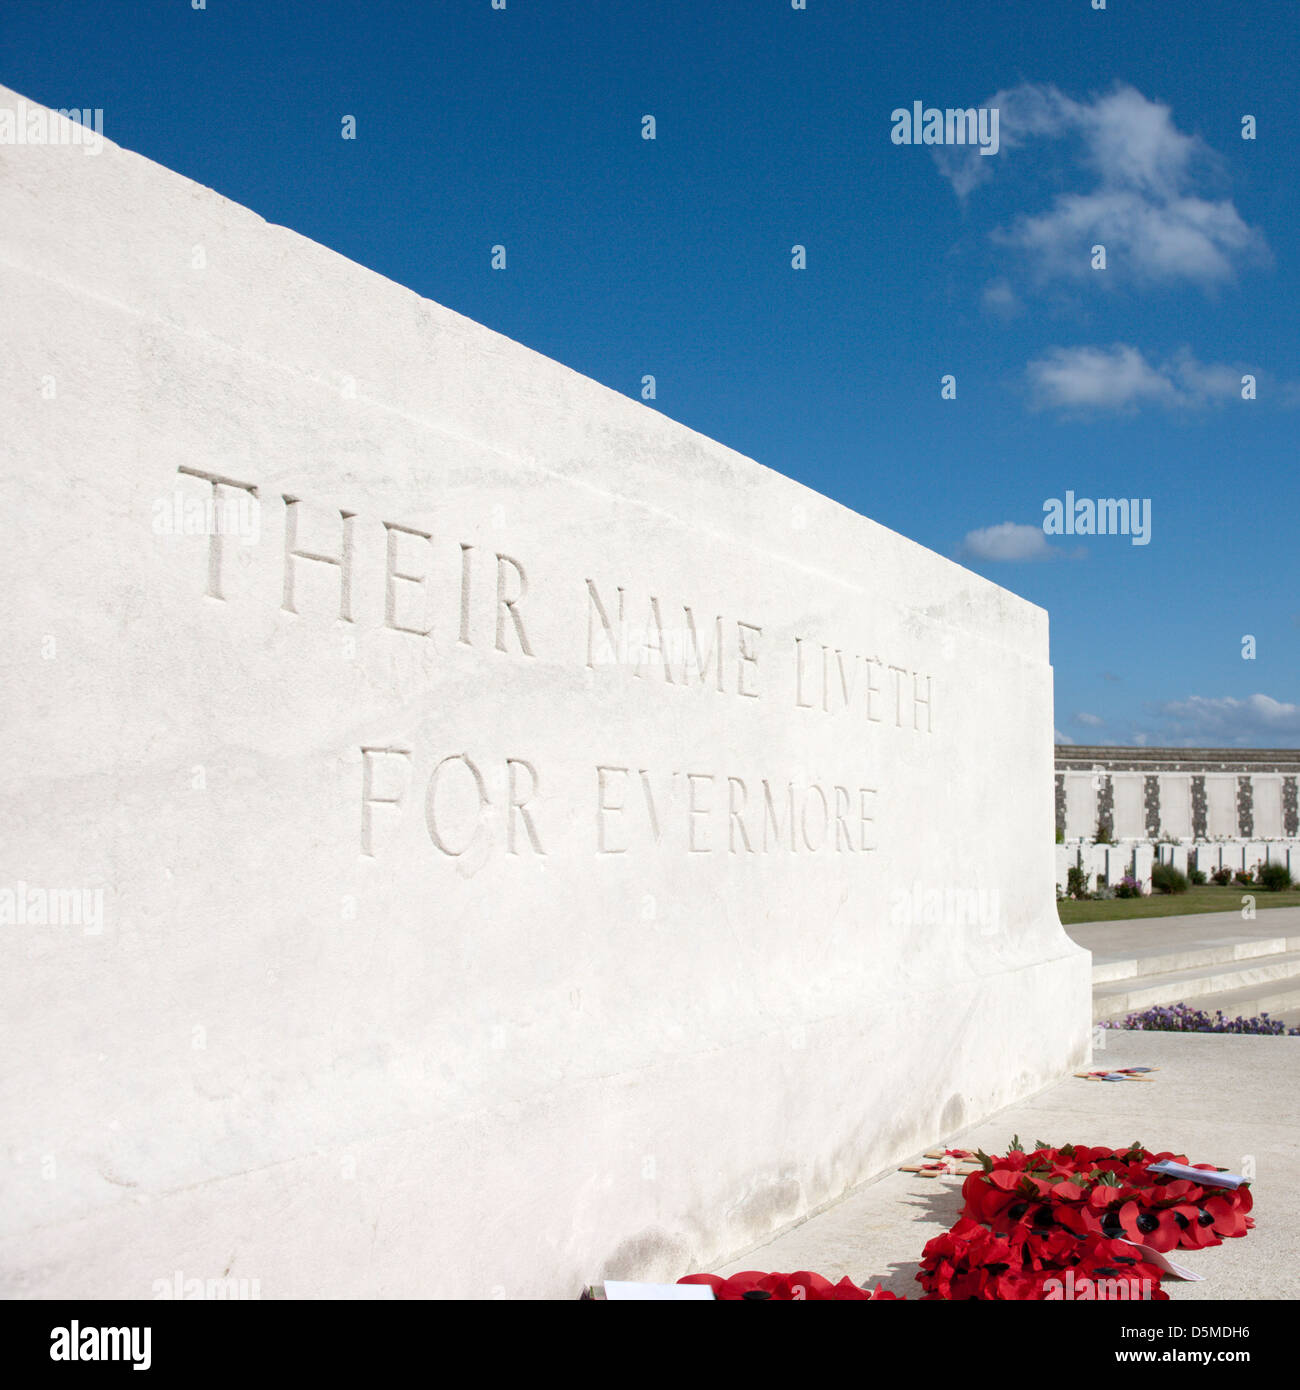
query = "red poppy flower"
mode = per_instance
[
  {"x": 1080, "y": 1221},
  {"x": 1228, "y": 1220},
  {"x": 984, "y": 1201}
]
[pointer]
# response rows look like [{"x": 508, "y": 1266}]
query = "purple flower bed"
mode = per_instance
[{"x": 1182, "y": 1018}]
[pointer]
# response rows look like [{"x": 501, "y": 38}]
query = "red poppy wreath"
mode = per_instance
[
  {"x": 1030, "y": 1216},
  {"x": 1077, "y": 1222}
]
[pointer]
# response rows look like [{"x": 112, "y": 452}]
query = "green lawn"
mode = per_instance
[{"x": 1209, "y": 898}]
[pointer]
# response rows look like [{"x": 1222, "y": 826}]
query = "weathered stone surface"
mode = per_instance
[{"x": 458, "y": 935}]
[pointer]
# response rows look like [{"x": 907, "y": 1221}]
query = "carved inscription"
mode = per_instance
[
  {"x": 721, "y": 653},
  {"x": 637, "y": 808},
  {"x": 621, "y": 633},
  {"x": 830, "y": 679}
]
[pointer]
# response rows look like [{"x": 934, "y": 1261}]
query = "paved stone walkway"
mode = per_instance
[
  {"x": 1164, "y": 935},
  {"x": 1213, "y": 961}
]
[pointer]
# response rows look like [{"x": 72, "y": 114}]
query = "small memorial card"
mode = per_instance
[
  {"x": 629, "y": 1289},
  {"x": 1207, "y": 1177}
]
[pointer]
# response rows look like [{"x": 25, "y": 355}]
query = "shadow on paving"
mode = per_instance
[{"x": 939, "y": 1205}]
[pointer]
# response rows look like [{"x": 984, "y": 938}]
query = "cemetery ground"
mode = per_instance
[{"x": 1198, "y": 898}]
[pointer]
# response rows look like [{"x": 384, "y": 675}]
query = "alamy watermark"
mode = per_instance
[
  {"x": 23, "y": 905},
  {"x": 693, "y": 651},
  {"x": 74, "y": 1342},
  {"x": 179, "y": 1287},
  {"x": 1106, "y": 516},
  {"x": 1085, "y": 1289},
  {"x": 34, "y": 125},
  {"x": 239, "y": 514},
  {"x": 930, "y": 125},
  {"x": 924, "y": 906}
]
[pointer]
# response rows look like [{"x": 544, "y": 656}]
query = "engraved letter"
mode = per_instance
[
  {"x": 616, "y": 645},
  {"x": 702, "y": 662},
  {"x": 872, "y": 689},
  {"x": 917, "y": 702},
  {"x": 464, "y": 593},
  {"x": 799, "y": 701},
  {"x": 431, "y": 795},
  {"x": 214, "y": 537},
  {"x": 603, "y": 806},
  {"x": 521, "y": 806},
  {"x": 843, "y": 840},
  {"x": 657, "y": 647},
  {"x": 803, "y": 819},
  {"x": 866, "y": 819},
  {"x": 847, "y": 686},
  {"x": 392, "y": 575},
  {"x": 369, "y": 799},
  {"x": 899, "y": 673},
  {"x": 769, "y": 814},
  {"x": 734, "y": 821},
  {"x": 692, "y": 778},
  {"x": 746, "y": 657},
  {"x": 291, "y": 552},
  {"x": 507, "y": 605},
  {"x": 648, "y": 792}
]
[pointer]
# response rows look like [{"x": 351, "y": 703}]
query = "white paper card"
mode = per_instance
[
  {"x": 631, "y": 1289},
  {"x": 1206, "y": 1177}
]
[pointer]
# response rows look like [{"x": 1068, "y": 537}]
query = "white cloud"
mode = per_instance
[
  {"x": 1008, "y": 540},
  {"x": 1113, "y": 378},
  {"x": 1001, "y": 300},
  {"x": 1091, "y": 721},
  {"x": 1258, "y": 720},
  {"x": 1120, "y": 378},
  {"x": 1146, "y": 204},
  {"x": 1032, "y": 109},
  {"x": 1182, "y": 239},
  {"x": 1063, "y": 738}
]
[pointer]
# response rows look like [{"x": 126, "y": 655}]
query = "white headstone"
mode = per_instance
[
  {"x": 1067, "y": 857},
  {"x": 1119, "y": 861}
]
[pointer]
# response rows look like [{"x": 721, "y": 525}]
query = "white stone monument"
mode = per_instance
[{"x": 466, "y": 834}]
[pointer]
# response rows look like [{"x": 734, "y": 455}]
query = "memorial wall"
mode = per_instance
[
  {"x": 1171, "y": 794},
  {"x": 465, "y": 833}
]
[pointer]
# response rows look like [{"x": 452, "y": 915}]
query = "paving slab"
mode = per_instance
[
  {"x": 1259, "y": 976},
  {"x": 1219, "y": 1098},
  {"x": 1162, "y": 936}
]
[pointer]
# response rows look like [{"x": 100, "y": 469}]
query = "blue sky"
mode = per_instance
[{"x": 627, "y": 256}]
